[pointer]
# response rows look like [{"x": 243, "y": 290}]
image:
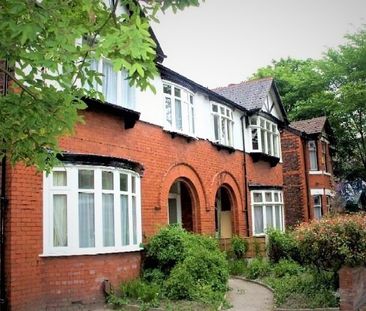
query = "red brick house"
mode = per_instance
[{"x": 307, "y": 170}]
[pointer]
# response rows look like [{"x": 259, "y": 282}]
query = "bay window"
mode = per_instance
[
  {"x": 115, "y": 86},
  {"x": 264, "y": 136},
  {"x": 91, "y": 210},
  {"x": 223, "y": 124},
  {"x": 179, "y": 109},
  {"x": 267, "y": 210}
]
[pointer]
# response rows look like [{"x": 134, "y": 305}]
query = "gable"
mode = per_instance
[{"x": 272, "y": 105}]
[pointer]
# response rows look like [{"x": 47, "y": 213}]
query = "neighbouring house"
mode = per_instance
[
  {"x": 308, "y": 173},
  {"x": 210, "y": 160}
]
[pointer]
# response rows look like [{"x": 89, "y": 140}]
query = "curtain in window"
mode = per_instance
[
  {"x": 313, "y": 160},
  {"x": 216, "y": 127},
  {"x": 108, "y": 219},
  {"x": 168, "y": 110},
  {"x": 269, "y": 216},
  {"x": 128, "y": 92},
  {"x": 278, "y": 216},
  {"x": 59, "y": 220},
  {"x": 59, "y": 179},
  {"x": 125, "y": 229},
  {"x": 178, "y": 115},
  {"x": 258, "y": 219},
  {"x": 109, "y": 83},
  {"x": 86, "y": 220}
]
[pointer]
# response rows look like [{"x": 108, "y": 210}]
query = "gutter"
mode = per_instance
[
  {"x": 245, "y": 178},
  {"x": 304, "y": 148}
]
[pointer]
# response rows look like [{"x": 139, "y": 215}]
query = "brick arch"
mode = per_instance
[
  {"x": 185, "y": 173},
  {"x": 227, "y": 180}
]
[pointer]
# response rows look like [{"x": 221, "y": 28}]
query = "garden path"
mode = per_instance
[{"x": 249, "y": 296}]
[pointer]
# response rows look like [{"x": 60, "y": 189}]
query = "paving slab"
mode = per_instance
[{"x": 249, "y": 296}]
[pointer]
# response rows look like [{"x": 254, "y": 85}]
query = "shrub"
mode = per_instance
[
  {"x": 334, "y": 241},
  {"x": 140, "y": 290},
  {"x": 286, "y": 267},
  {"x": 237, "y": 266},
  {"x": 282, "y": 245},
  {"x": 258, "y": 268},
  {"x": 239, "y": 246}
]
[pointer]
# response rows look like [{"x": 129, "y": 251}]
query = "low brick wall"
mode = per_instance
[{"x": 352, "y": 288}]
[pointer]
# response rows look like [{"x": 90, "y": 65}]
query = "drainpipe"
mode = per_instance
[
  {"x": 3, "y": 204},
  {"x": 304, "y": 145},
  {"x": 245, "y": 178}
]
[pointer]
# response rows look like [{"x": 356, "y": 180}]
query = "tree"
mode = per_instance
[
  {"x": 48, "y": 65},
  {"x": 334, "y": 86}
]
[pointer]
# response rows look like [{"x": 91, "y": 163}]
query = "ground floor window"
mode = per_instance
[
  {"x": 267, "y": 210},
  {"x": 90, "y": 210},
  {"x": 317, "y": 202}
]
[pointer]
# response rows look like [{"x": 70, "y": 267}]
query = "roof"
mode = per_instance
[
  {"x": 170, "y": 75},
  {"x": 248, "y": 94},
  {"x": 310, "y": 126}
]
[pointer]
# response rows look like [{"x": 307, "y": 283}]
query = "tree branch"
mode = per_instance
[{"x": 20, "y": 84}]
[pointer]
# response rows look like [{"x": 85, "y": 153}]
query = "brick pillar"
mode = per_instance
[{"x": 352, "y": 287}]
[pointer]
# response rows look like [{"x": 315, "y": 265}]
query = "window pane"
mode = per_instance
[
  {"x": 167, "y": 89},
  {"x": 268, "y": 126},
  {"x": 229, "y": 134},
  {"x": 313, "y": 160},
  {"x": 86, "y": 179},
  {"x": 223, "y": 131},
  {"x": 258, "y": 219},
  {"x": 177, "y": 92},
  {"x": 123, "y": 184},
  {"x": 59, "y": 220},
  {"x": 274, "y": 129},
  {"x": 86, "y": 220},
  {"x": 317, "y": 212},
  {"x": 269, "y": 141},
  {"x": 257, "y": 197},
  {"x": 216, "y": 127},
  {"x": 173, "y": 213},
  {"x": 278, "y": 216},
  {"x": 269, "y": 197},
  {"x": 133, "y": 184},
  {"x": 107, "y": 180},
  {"x": 168, "y": 110},
  {"x": 263, "y": 139},
  {"x": 262, "y": 123},
  {"x": 125, "y": 231},
  {"x": 191, "y": 99},
  {"x": 275, "y": 145},
  {"x": 109, "y": 83},
  {"x": 269, "y": 216},
  {"x": 253, "y": 121},
  {"x": 178, "y": 115},
  {"x": 192, "y": 120},
  {"x": 276, "y": 197},
  {"x": 108, "y": 219},
  {"x": 255, "y": 145},
  {"x": 59, "y": 179},
  {"x": 134, "y": 221},
  {"x": 215, "y": 108}
]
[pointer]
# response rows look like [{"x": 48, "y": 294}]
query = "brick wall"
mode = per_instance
[
  {"x": 352, "y": 288},
  {"x": 35, "y": 282},
  {"x": 294, "y": 172}
]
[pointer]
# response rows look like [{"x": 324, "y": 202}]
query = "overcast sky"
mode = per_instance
[{"x": 226, "y": 41}]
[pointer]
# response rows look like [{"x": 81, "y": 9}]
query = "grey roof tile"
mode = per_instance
[
  {"x": 310, "y": 126},
  {"x": 248, "y": 94}
]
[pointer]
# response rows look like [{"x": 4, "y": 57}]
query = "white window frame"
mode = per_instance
[
  {"x": 318, "y": 206},
  {"x": 126, "y": 94},
  {"x": 177, "y": 197},
  {"x": 72, "y": 191},
  {"x": 224, "y": 115},
  {"x": 313, "y": 149},
  {"x": 265, "y": 129},
  {"x": 264, "y": 204},
  {"x": 187, "y": 109}
]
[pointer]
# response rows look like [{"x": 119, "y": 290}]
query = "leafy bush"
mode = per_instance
[
  {"x": 239, "y": 246},
  {"x": 141, "y": 291},
  {"x": 286, "y": 267},
  {"x": 258, "y": 268},
  {"x": 282, "y": 245},
  {"x": 237, "y": 266},
  {"x": 334, "y": 241}
]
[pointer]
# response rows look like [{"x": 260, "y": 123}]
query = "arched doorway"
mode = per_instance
[
  {"x": 223, "y": 214},
  {"x": 180, "y": 205}
]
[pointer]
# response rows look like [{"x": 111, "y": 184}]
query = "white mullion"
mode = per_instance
[
  {"x": 99, "y": 87},
  {"x": 119, "y": 89},
  {"x": 117, "y": 210},
  {"x": 172, "y": 101},
  {"x": 98, "y": 217},
  {"x": 130, "y": 222},
  {"x": 73, "y": 211}
]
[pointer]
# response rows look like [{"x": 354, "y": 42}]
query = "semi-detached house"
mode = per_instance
[{"x": 210, "y": 160}]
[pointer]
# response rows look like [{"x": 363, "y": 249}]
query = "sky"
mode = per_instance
[{"x": 226, "y": 41}]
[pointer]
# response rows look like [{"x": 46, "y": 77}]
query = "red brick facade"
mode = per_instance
[
  {"x": 35, "y": 282},
  {"x": 299, "y": 181},
  {"x": 352, "y": 288}
]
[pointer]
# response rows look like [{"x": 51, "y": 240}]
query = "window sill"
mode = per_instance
[
  {"x": 320, "y": 173},
  {"x": 130, "y": 116},
  {"x": 186, "y": 136},
  {"x": 223, "y": 147},
  {"x": 260, "y": 156},
  {"x": 91, "y": 252}
]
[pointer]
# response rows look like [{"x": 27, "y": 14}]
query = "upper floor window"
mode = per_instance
[
  {"x": 313, "y": 156},
  {"x": 324, "y": 156},
  {"x": 265, "y": 136},
  {"x": 267, "y": 209},
  {"x": 115, "y": 86},
  {"x": 90, "y": 210},
  {"x": 223, "y": 124},
  {"x": 179, "y": 108}
]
